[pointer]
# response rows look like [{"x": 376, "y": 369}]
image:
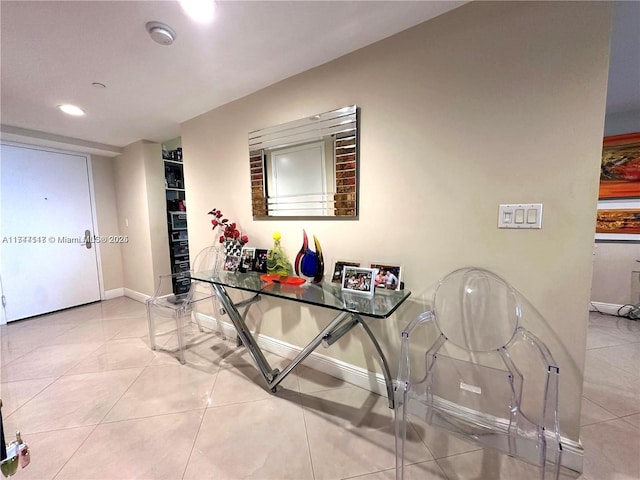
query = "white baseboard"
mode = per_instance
[
  {"x": 573, "y": 452},
  {"x": 607, "y": 308},
  {"x": 111, "y": 294},
  {"x": 140, "y": 297}
]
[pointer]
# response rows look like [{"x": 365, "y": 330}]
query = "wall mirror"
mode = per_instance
[{"x": 306, "y": 168}]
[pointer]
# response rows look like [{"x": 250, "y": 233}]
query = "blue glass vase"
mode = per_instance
[{"x": 309, "y": 264}]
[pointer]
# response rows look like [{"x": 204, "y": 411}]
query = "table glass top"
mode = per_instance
[{"x": 329, "y": 295}]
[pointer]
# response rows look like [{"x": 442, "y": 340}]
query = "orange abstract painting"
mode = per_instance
[
  {"x": 618, "y": 221},
  {"x": 620, "y": 168}
]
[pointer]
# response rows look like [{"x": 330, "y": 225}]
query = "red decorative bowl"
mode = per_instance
[{"x": 285, "y": 280}]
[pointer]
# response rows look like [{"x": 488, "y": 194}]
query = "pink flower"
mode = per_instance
[
  {"x": 244, "y": 239},
  {"x": 221, "y": 238}
]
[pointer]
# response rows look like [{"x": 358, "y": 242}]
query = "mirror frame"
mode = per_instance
[{"x": 343, "y": 127}]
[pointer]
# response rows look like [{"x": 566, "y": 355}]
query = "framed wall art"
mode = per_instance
[
  {"x": 620, "y": 167},
  {"x": 617, "y": 220}
]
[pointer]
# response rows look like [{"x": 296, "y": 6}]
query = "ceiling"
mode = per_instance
[
  {"x": 51, "y": 52},
  {"x": 623, "y": 92}
]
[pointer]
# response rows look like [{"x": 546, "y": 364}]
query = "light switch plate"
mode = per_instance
[{"x": 520, "y": 215}]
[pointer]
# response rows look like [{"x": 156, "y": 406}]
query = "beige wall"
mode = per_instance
[
  {"x": 107, "y": 220},
  {"x": 491, "y": 103},
  {"x": 613, "y": 267},
  {"x": 154, "y": 179},
  {"x": 139, "y": 177}
]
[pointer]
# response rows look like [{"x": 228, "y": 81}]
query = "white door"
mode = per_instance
[{"x": 45, "y": 262}]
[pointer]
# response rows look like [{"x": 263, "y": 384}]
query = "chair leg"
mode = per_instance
[
  {"x": 217, "y": 313},
  {"x": 194, "y": 315},
  {"x": 179, "y": 328},
  {"x": 401, "y": 429},
  {"x": 152, "y": 330},
  {"x": 542, "y": 444},
  {"x": 550, "y": 464}
]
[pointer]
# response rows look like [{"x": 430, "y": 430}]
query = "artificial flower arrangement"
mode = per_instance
[{"x": 230, "y": 232}]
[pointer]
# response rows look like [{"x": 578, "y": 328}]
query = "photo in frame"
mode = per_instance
[
  {"x": 338, "y": 267},
  {"x": 620, "y": 167},
  {"x": 231, "y": 263},
  {"x": 358, "y": 280},
  {"x": 247, "y": 257},
  {"x": 388, "y": 276},
  {"x": 260, "y": 260}
]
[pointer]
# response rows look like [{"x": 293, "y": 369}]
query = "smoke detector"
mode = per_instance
[{"x": 161, "y": 33}]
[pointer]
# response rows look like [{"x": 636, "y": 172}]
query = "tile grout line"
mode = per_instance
[
  {"x": 606, "y": 410},
  {"x": 104, "y": 416},
  {"x": 34, "y": 396},
  {"x": 204, "y": 413},
  {"x": 100, "y": 422},
  {"x": 306, "y": 431},
  {"x": 94, "y": 428},
  {"x": 76, "y": 450}
]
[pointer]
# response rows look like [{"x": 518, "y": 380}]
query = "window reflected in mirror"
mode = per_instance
[{"x": 306, "y": 168}]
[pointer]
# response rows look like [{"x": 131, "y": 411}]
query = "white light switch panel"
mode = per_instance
[{"x": 520, "y": 215}]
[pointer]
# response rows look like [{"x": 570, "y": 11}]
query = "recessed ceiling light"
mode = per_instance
[
  {"x": 71, "y": 110},
  {"x": 202, "y": 11}
]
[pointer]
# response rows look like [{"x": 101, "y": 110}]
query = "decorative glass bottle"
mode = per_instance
[
  {"x": 309, "y": 264},
  {"x": 277, "y": 261}
]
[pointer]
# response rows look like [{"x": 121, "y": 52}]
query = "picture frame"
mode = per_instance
[
  {"x": 618, "y": 221},
  {"x": 389, "y": 277},
  {"x": 619, "y": 167},
  {"x": 358, "y": 280},
  {"x": 247, "y": 258},
  {"x": 260, "y": 260},
  {"x": 231, "y": 263},
  {"x": 338, "y": 266}
]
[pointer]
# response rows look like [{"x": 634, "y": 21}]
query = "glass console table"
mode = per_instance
[{"x": 350, "y": 307}]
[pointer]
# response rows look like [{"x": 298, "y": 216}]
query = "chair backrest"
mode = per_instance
[
  {"x": 207, "y": 259},
  {"x": 476, "y": 310}
]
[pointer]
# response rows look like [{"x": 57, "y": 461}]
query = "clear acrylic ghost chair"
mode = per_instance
[
  {"x": 174, "y": 313},
  {"x": 483, "y": 377}
]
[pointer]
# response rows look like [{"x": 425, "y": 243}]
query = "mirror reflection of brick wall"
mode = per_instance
[
  {"x": 258, "y": 200},
  {"x": 346, "y": 173}
]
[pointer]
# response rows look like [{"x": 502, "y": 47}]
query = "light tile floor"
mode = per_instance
[{"x": 94, "y": 402}]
